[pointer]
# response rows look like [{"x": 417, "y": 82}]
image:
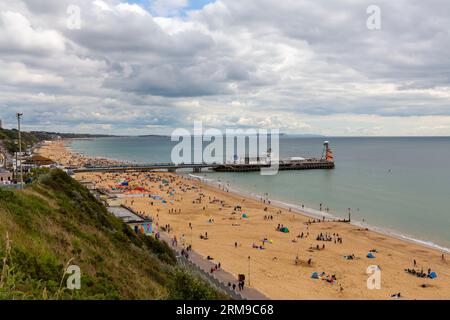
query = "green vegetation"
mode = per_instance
[
  {"x": 56, "y": 222},
  {"x": 10, "y": 138}
]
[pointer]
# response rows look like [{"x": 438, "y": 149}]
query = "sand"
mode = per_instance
[
  {"x": 280, "y": 277},
  {"x": 57, "y": 151},
  {"x": 273, "y": 270}
]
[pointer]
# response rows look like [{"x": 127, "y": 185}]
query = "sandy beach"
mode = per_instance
[
  {"x": 58, "y": 151},
  {"x": 281, "y": 263}
]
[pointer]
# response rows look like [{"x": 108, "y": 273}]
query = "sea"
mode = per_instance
[{"x": 395, "y": 185}]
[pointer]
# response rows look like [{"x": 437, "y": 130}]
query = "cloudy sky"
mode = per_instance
[{"x": 146, "y": 67}]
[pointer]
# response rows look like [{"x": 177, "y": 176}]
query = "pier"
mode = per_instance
[
  {"x": 306, "y": 164},
  {"x": 248, "y": 165}
]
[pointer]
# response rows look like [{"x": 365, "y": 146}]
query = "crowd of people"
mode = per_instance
[{"x": 329, "y": 237}]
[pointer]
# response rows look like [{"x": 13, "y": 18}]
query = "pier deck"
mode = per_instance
[{"x": 307, "y": 164}]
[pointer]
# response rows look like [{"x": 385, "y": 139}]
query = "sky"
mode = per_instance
[{"x": 336, "y": 68}]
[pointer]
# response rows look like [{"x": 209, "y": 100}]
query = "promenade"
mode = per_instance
[{"x": 219, "y": 278}]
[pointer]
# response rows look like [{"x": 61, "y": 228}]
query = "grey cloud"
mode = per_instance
[{"x": 279, "y": 58}]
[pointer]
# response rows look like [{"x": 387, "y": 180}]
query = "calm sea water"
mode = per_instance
[{"x": 398, "y": 184}]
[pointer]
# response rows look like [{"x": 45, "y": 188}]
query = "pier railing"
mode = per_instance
[{"x": 227, "y": 166}]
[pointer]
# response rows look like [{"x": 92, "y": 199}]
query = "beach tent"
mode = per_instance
[
  {"x": 244, "y": 215},
  {"x": 315, "y": 275},
  {"x": 432, "y": 275},
  {"x": 370, "y": 255},
  {"x": 124, "y": 183},
  {"x": 284, "y": 229},
  {"x": 164, "y": 201}
]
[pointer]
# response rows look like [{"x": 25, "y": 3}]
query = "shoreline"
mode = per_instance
[
  {"x": 316, "y": 214},
  {"x": 281, "y": 279},
  {"x": 306, "y": 211},
  {"x": 67, "y": 141}
]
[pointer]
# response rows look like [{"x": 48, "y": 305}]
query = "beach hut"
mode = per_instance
[{"x": 370, "y": 255}]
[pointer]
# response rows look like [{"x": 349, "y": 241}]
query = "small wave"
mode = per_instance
[{"x": 317, "y": 214}]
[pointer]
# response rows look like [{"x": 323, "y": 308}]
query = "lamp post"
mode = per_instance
[
  {"x": 249, "y": 270},
  {"x": 192, "y": 239},
  {"x": 19, "y": 115},
  {"x": 16, "y": 168}
]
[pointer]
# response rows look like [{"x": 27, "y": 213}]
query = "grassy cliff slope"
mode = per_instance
[{"x": 56, "y": 222}]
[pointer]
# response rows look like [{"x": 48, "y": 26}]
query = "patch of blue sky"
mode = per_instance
[{"x": 191, "y": 5}]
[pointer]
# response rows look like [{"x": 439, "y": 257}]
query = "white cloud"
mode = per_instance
[
  {"x": 304, "y": 66},
  {"x": 19, "y": 36}
]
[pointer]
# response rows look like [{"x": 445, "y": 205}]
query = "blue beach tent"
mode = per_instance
[
  {"x": 315, "y": 275},
  {"x": 432, "y": 275},
  {"x": 370, "y": 255}
]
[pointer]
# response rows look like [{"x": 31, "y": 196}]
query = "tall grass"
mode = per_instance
[{"x": 56, "y": 222}]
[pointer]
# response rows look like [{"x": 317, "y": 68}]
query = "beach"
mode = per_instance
[
  {"x": 281, "y": 264},
  {"x": 57, "y": 150}
]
